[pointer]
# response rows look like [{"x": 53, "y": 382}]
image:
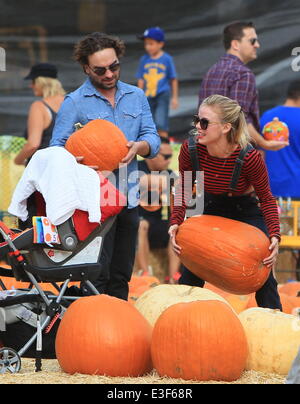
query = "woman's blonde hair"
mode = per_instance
[
  {"x": 49, "y": 86},
  {"x": 230, "y": 112}
]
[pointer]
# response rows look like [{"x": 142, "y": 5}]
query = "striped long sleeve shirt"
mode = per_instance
[{"x": 217, "y": 178}]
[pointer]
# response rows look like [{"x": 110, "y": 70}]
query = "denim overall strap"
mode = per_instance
[
  {"x": 238, "y": 167},
  {"x": 193, "y": 153}
]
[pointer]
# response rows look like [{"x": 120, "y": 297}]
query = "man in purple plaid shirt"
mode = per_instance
[{"x": 232, "y": 78}]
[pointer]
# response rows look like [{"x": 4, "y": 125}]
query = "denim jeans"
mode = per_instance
[
  {"x": 245, "y": 209},
  {"x": 159, "y": 106},
  {"x": 118, "y": 255}
]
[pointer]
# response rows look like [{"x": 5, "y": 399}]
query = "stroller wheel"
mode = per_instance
[{"x": 10, "y": 361}]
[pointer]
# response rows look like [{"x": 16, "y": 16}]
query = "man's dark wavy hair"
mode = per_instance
[{"x": 95, "y": 42}]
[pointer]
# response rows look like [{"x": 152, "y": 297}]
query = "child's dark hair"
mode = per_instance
[
  {"x": 293, "y": 91},
  {"x": 235, "y": 31},
  {"x": 93, "y": 43}
]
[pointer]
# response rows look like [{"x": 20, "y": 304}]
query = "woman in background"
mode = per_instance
[{"x": 42, "y": 113}]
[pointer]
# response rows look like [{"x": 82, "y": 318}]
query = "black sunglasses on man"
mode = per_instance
[{"x": 100, "y": 71}]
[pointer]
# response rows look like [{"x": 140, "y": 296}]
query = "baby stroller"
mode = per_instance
[{"x": 34, "y": 313}]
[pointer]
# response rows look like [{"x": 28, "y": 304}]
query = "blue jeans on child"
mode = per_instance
[
  {"x": 245, "y": 209},
  {"x": 160, "y": 110}
]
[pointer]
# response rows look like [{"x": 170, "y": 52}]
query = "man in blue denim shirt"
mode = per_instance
[{"x": 103, "y": 96}]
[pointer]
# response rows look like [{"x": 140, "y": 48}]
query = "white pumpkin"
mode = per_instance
[
  {"x": 273, "y": 339},
  {"x": 154, "y": 301}
]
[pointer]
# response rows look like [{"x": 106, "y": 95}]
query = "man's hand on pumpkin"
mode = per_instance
[{"x": 142, "y": 148}]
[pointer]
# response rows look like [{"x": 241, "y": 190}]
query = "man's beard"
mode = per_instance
[{"x": 102, "y": 85}]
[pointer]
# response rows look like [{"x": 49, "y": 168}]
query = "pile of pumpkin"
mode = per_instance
[
  {"x": 183, "y": 332},
  {"x": 188, "y": 332}
]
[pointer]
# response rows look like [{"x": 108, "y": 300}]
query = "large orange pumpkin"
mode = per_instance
[
  {"x": 104, "y": 335},
  {"x": 224, "y": 252},
  {"x": 101, "y": 143},
  {"x": 202, "y": 340}
]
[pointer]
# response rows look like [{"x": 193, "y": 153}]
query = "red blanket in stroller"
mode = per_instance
[{"x": 111, "y": 203}]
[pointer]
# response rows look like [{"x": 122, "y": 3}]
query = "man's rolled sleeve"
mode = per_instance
[
  {"x": 64, "y": 124},
  {"x": 148, "y": 130}
]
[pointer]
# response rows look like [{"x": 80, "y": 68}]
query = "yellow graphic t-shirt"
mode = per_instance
[{"x": 156, "y": 74}]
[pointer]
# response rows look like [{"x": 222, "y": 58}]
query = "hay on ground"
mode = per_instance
[{"x": 52, "y": 374}]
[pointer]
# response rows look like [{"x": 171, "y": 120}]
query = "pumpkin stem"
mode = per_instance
[{"x": 78, "y": 126}]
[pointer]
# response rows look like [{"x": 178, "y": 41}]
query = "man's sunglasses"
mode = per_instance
[
  {"x": 204, "y": 122},
  {"x": 100, "y": 71},
  {"x": 253, "y": 41},
  {"x": 166, "y": 156}
]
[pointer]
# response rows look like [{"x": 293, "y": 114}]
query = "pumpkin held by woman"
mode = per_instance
[
  {"x": 100, "y": 143},
  {"x": 224, "y": 252}
]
